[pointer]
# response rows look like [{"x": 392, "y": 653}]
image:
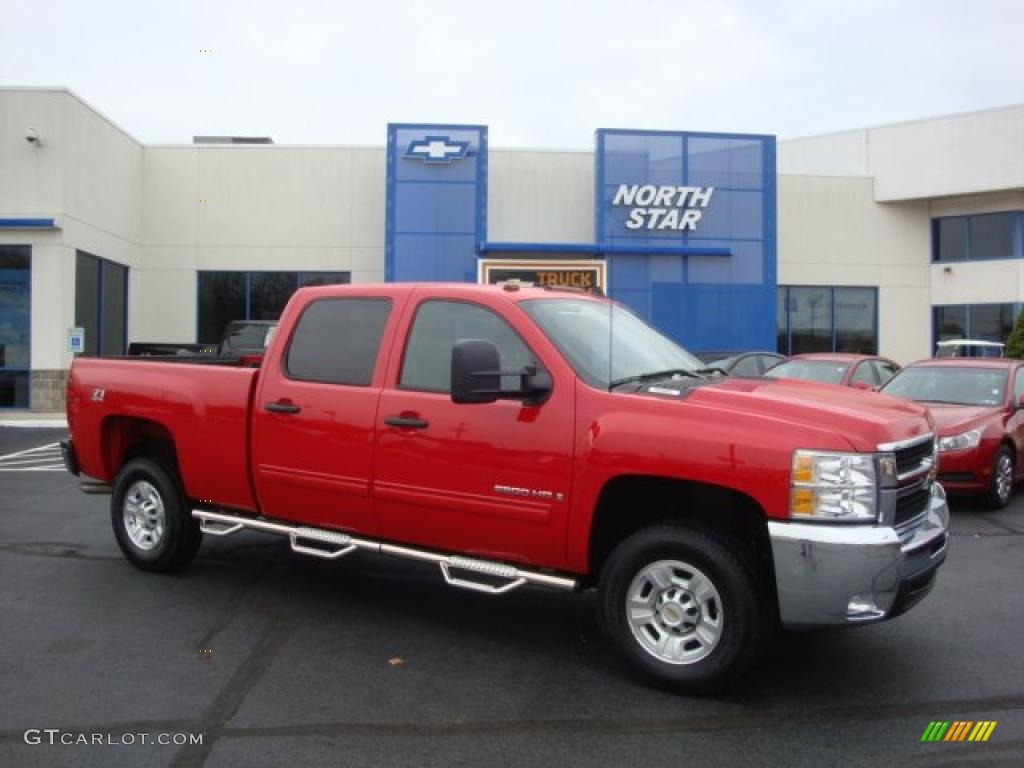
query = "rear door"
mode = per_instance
[
  {"x": 491, "y": 479},
  {"x": 314, "y": 414}
]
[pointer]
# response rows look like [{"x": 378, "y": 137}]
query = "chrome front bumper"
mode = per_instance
[{"x": 834, "y": 575}]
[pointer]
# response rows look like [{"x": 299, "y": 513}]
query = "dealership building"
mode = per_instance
[{"x": 881, "y": 239}]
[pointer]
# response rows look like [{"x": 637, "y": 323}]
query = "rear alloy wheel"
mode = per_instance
[
  {"x": 151, "y": 518},
  {"x": 1000, "y": 483},
  {"x": 684, "y": 607}
]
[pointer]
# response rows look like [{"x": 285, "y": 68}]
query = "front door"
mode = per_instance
[
  {"x": 489, "y": 479},
  {"x": 314, "y": 414}
]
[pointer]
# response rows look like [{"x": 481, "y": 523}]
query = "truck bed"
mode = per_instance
[{"x": 200, "y": 404}]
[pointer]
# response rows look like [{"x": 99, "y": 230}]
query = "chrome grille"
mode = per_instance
[
  {"x": 913, "y": 457},
  {"x": 915, "y": 464},
  {"x": 912, "y": 501}
]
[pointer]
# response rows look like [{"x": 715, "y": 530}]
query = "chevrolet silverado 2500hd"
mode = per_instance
[{"x": 520, "y": 436}]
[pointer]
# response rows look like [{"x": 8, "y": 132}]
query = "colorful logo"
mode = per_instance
[{"x": 958, "y": 730}]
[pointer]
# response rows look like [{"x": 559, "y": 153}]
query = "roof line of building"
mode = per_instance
[
  {"x": 908, "y": 121},
  {"x": 72, "y": 94},
  {"x": 826, "y": 134}
]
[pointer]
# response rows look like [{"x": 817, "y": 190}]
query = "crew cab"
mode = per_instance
[{"x": 516, "y": 436}]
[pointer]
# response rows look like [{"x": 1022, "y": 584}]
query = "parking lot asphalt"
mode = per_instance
[{"x": 278, "y": 659}]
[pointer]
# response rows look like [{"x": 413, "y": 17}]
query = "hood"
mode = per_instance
[
  {"x": 954, "y": 419},
  {"x": 865, "y": 419}
]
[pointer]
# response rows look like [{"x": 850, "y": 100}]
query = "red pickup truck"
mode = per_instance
[{"x": 520, "y": 436}]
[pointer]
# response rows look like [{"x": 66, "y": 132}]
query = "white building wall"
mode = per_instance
[
  {"x": 540, "y": 197},
  {"x": 832, "y": 233},
  {"x": 259, "y": 207},
  {"x": 87, "y": 175},
  {"x": 977, "y": 282}
]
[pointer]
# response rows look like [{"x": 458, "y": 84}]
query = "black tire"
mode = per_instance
[
  {"x": 743, "y": 606},
  {"x": 179, "y": 537},
  {"x": 998, "y": 495}
]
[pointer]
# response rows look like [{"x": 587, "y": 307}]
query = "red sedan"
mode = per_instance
[
  {"x": 860, "y": 371},
  {"x": 977, "y": 405}
]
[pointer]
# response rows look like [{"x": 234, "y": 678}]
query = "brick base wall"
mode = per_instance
[{"x": 47, "y": 390}]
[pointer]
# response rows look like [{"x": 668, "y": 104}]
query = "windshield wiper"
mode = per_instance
[
  {"x": 654, "y": 375},
  {"x": 943, "y": 402}
]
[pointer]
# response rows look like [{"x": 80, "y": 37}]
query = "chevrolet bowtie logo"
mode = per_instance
[{"x": 437, "y": 149}]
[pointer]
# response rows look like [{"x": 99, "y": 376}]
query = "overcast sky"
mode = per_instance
[{"x": 540, "y": 74}]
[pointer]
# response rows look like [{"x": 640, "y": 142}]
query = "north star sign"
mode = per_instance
[{"x": 663, "y": 207}]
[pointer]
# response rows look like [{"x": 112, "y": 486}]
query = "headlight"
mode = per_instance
[
  {"x": 835, "y": 487},
  {"x": 960, "y": 442}
]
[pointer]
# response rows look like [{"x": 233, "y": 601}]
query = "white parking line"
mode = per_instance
[
  {"x": 47, "y": 447},
  {"x": 42, "y": 458}
]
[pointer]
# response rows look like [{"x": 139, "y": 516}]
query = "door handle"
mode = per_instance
[
  {"x": 282, "y": 407},
  {"x": 406, "y": 422}
]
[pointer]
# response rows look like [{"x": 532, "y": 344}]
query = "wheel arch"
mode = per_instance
[
  {"x": 130, "y": 437},
  {"x": 631, "y": 502}
]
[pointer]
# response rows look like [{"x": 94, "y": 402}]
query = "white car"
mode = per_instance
[{"x": 969, "y": 348}]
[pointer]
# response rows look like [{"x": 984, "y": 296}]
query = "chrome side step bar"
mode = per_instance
[{"x": 338, "y": 544}]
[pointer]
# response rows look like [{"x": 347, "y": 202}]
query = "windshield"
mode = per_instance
[
  {"x": 605, "y": 342},
  {"x": 825, "y": 371},
  {"x": 957, "y": 386}
]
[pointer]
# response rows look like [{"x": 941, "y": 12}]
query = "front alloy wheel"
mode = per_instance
[
  {"x": 1000, "y": 486},
  {"x": 675, "y": 612},
  {"x": 688, "y": 609}
]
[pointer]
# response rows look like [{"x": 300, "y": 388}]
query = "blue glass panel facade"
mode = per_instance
[
  {"x": 436, "y": 201},
  {"x": 705, "y": 302}
]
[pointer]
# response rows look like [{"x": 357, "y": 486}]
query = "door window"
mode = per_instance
[
  {"x": 863, "y": 375},
  {"x": 747, "y": 366},
  {"x": 885, "y": 370},
  {"x": 336, "y": 341},
  {"x": 1018, "y": 386},
  {"x": 438, "y": 325}
]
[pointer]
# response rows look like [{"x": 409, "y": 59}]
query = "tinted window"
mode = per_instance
[
  {"x": 864, "y": 374},
  {"x": 268, "y": 293},
  {"x": 885, "y": 370},
  {"x": 15, "y": 311},
  {"x": 87, "y": 300},
  {"x": 992, "y": 236},
  {"x": 855, "y": 316},
  {"x": 956, "y": 386},
  {"x": 336, "y": 341},
  {"x": 1018, "y": 385},
  {"x": 115, "y": 286},
  {"x": 951, "y": 235},
  {"x": 438, "y": 325},
  {"x": 100, "y": 292},
  {"x": 228, "y": 296},
  {"x": 810, "y": 319},
  {"x": 747, "y": 366},
  {"x": 222, "y": 298},
  {"x": 811, "y": 370}
]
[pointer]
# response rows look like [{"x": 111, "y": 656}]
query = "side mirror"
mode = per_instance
[{"x": 476, "y": 376}]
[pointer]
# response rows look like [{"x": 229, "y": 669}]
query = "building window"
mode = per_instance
[
  {"x": 15, "y": 324},
  {"x": 227, "y": 296},
  {"x": 980, "y": 237},
  {"x": 827, "y": 319},
  {"x": 985, "y": 322},
  {"x": 101, "y": 299}
]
